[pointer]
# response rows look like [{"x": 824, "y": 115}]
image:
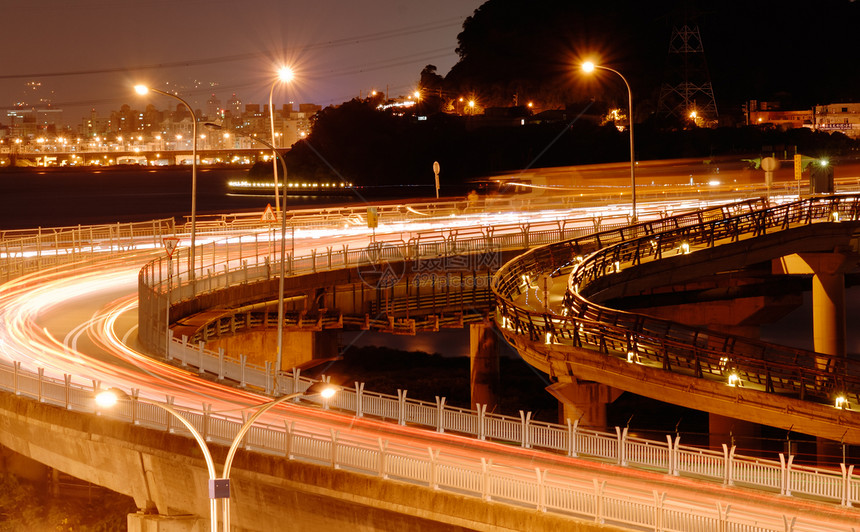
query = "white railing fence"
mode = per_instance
[
  {"x": 547, "y": 490},
  {"x": 542, "y": 489},
  {"x": 245, "y": 259},
  {"x": 23, "y": 252},
  {"x": 619, "y": 448}
]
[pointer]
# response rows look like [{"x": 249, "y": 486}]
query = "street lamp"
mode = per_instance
[
  {"x": 219, "y": 487},
  {"x": 589, "y": 67},
  {"x": 143, "y": 89},
  {"x": 280, "y": 352},
  {"x": 285, "y": 75}
]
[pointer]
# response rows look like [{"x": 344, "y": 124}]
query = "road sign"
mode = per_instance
[
  {"x": 372, "y": 218},
  {"x": 769, "y": 164},
  {"x": 170, "y": 243},
  {"x": 798, "y": 166},
  {"x": 269, "y": 215}
]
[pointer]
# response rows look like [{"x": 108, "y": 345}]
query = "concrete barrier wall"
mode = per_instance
[{"x": 165, "y": 473}]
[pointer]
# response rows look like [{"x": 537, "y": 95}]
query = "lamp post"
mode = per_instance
[
  {"x": 143, "y": 89},
  {"x": 285, "y": 75},
  {"x": 219, "y": 487},
  {"x": 280, "y": 352},
  {"x": 589, "y": 67}
]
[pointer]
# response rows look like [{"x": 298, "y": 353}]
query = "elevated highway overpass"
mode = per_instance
[
  {"x": 529, "y": 436},
  {"x": 576, "y": 339}
]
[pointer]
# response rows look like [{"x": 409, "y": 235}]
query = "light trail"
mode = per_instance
[{"x": 91, "y": 306}]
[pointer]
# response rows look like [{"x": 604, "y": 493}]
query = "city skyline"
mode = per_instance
[{"x": 338, "y": 50}]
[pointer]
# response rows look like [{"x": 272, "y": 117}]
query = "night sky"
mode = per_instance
[{"x": 90, "y": 53}]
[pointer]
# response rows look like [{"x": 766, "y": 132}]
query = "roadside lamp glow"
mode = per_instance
[
  {"x": 734, "y": 379},
  {"x": 142, "y": 90},
  {"x": 219, "y": 487},
  {"x": 589, "y": 67}
]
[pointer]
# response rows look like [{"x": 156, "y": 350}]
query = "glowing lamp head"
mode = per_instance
[
  {"x": 588, "y": 66},
  {"x": 106, "y": 399},
  {"x": 141, "y": 89},
  {"x": 286, "y": 74},
  {"x": 324, "y": 389}
]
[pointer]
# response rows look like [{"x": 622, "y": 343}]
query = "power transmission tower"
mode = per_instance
[{"x": 687, "y": 84}]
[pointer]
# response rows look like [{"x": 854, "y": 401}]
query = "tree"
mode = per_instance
[{"x": 512, "y": 47}]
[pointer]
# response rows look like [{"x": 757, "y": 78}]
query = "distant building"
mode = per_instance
[
  {"x": 309, "y": 109},
  {"x": 213, "y": 107},
  {"x": 93, "y": 125},
  {"x": 841, "y": 117},
  {"x": 833, "y": 117},
  {"x": 769, "y": 113},
  {"x": 234, "y": 105},
  {"x": 30, "y": 122}
]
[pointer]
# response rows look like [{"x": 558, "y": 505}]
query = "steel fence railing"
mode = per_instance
[
  {"x": 594, "y": 261},
  {"x": 723, "y": 467}
]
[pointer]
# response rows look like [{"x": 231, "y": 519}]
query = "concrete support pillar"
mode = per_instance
[
  {"x": 828, "y": 310},
  {"x": 584, "y": 401},
  {"x": 828, "y": 295},
  {"x": 484, "y": 364},
  {"x": 143, "y": 522},
  {"x": 723, "y": 429},
  {"x": 299, "y": 346}
]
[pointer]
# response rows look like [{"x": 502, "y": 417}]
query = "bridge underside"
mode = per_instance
[
  {"x": 670, "y": 289},
  {"x": 567, "y": 364}
]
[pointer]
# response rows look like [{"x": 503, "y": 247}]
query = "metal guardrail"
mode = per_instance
[
  {"x": 253, "y": 258},
  {"x": 23, "y": 252},
  {"x": 570, "y": 439},
  {"x": 414, "y": 304},
  {"x": 591, "y": 261},
  {"x": 545, "y": 489},
  {"x": 537, "y": 199}
]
